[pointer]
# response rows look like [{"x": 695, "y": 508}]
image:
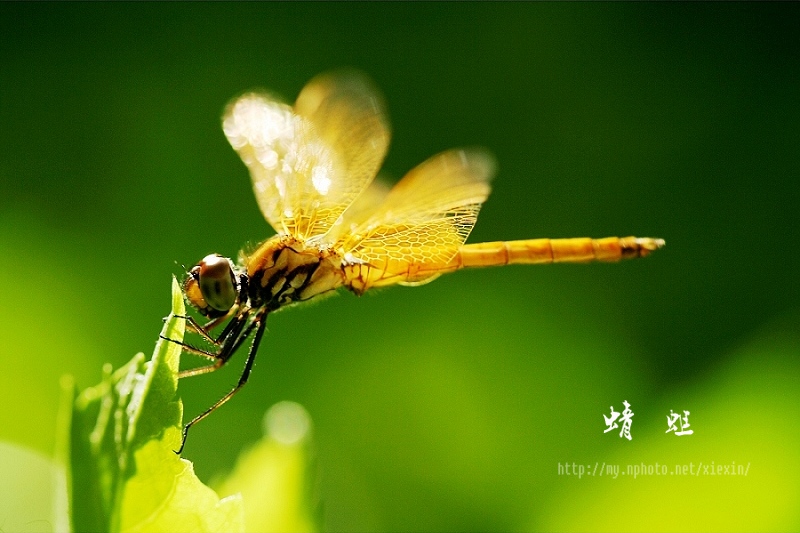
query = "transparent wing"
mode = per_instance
[
  {"x": 367, "y": 203},
  {"x": 425, "y": 218},
  {"x": 310, "y": 162}
]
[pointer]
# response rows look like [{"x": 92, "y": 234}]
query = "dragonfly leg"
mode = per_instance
[
  {"x": 191, "y": 349},
  {"x": 233, "y": 328},
  {"x": 203, "y": 330},
  {"x": 260, "y": 324},
  {"x": 229, "y": 337}
]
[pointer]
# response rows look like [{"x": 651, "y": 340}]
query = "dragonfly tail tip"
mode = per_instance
[{"x": 647, "y": 245}]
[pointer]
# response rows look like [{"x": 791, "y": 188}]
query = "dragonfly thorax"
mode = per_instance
[{"x": 284, "y": 270}]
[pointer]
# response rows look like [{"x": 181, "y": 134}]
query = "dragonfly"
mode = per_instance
[{"x": 313, "y": 167}]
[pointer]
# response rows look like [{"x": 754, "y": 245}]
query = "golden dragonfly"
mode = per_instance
[{"x": 313, "y": 167}]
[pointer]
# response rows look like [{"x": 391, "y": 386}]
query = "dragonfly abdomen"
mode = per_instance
[{"x": 537, "y": 251}]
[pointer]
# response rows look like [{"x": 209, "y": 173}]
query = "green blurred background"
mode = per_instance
[{"x": 449, "y": 406}]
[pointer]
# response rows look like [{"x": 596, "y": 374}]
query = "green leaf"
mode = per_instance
[
  {"x": 124, "y": 475},
  {"x": 165, "y": 495}
]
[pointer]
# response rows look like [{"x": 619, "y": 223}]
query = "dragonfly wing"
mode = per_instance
[
  {"x": 423, "y": 221},
  {"x": 309, "y": 162},
  {"x": 367, "y": 203},
  {"x": 348, "y": 113}
]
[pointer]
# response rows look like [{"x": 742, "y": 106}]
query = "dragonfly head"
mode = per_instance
[{"x": 212, "y": 286}]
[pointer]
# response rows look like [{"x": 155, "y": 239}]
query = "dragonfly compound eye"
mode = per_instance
[{"x": 217, "y": 282}]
